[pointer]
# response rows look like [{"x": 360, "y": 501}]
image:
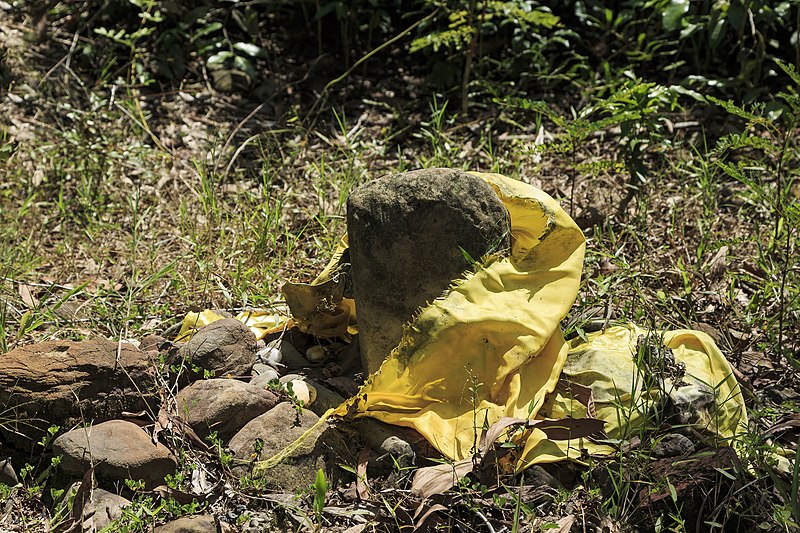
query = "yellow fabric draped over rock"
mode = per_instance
[{"x": 491, "y": 346}]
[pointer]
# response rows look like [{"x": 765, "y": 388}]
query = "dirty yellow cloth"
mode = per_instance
[
  {"x": 491, "y": 346},
  {"x": 634, "y": 373},
  {"x": 260, "y": 322}
]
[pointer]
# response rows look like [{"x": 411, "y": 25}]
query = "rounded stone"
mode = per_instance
[
  {"x": 222, "y": 405},
  {"x": 672, "y": 445},
  {"x": 100, "y": 509},
  {"x": 64, "y": 382},
  {"x": 189, "y": 524},
  {"x": 410, "y": 236},
  {"x": 8, "y": 475},
  {"x": 225, "y": 348},
  {"x": 118, "y": 450},
  {"x": 272, "y": 432}
]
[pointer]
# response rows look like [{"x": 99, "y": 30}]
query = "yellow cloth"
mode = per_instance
[
  {"x": 260, "y": 322},
  {"x": 491, "y": 346},
  {"x": 627, "y": 389}
]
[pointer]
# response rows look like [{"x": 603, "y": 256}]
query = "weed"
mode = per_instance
[{"x": 767, "y": 153}]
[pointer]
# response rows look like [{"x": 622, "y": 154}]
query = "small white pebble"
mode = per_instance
[
  {"x": 270, "y": 355},
  {"x": 303, "y": 391},
  {"x": 315, "y": 354}
]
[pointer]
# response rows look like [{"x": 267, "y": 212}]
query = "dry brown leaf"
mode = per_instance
[
  {"x": 200, "y": 482},
  {"x": 564, "y": 524},
  {"x": 30, "y": 301},
  {"x": 582, "y": 393},
  {"x": 162, "y": 424},
  {"x": 225, "y": 527},
  {"x": 718, "y": 264},
  {"x": 429, "y": 510},
  {"x": 791, "y": 421},
  {"x": 82, "y": 496},
  {"x": 362, "y": 488},
  {"x": 437, "y": 479},
  {"x": 493, "y": 433},
  {"x": 134, "y": 414},
  {"x": 183, "y": 498}
]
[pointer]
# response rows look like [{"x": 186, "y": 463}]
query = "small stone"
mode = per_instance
[
  {"x": 382, "y": 438},
  {"x": 263, "y": 374},
  {"x": 315, "y": 354},
  {"x": 7, "y": 474},
  {"x": 290, "y": 358},
  {"x": 261, "y": 368},
  {"x": 225, "y": 348},
  {"x": 189, "y": 524},
  {"x": 537, "y": 476},
  {"x": 290, "y": 377},
  {"x": 303, "y": 391},
  {"x": 100, "y": 509},
  {"x": 154, "y": 343},
  {"x": 399, "y": 449},
  {"x": 222, "y": 405},
  {"x": 672, "y": 445},
  {"x": 262, "y": 381},
  {"x": 118, "y": 449}
]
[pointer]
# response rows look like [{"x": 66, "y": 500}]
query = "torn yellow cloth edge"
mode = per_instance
[{"x": 606, "y": 363}]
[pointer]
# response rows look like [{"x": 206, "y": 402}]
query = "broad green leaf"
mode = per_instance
[
  {"x": 250, "y": 49},
  {"x": 673, "y": 14},
  {"x": 219, "y": 58},
  {"x": 244, "y": 64}
]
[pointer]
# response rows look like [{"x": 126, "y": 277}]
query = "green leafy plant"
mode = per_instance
[
  {"x": 463, "y": 29},
  {"x": 149, "y": 16},
  {"x": 636, "y": 108},
  {"x": 320, "y": 492},
  {"x": 764, "y": 157}
]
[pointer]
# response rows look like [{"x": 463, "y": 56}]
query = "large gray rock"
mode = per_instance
[
  {"x": 222, "y": 405},
  {"x": 118, "y": 449},
  {"x": 407, "y": 235},
  {"x": 64, "y": 382},
  {"x": 189, "y": 524},
  {"x": 278, "y": 428},
  {"x": 225, "y": 348}
]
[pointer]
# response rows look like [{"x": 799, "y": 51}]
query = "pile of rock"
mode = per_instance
[{"x": 98, "y": 389}]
